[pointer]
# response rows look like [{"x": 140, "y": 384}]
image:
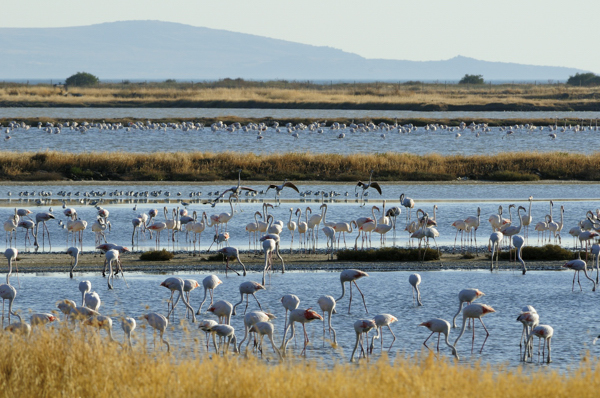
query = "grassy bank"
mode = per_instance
[
  {"x": 196, "y": 166},
  {"x": 63, "y": 363},
  {"x": 384, "y": 96}
]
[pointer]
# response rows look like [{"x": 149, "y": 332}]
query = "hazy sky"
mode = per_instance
[{"x": 539, "y": 32}]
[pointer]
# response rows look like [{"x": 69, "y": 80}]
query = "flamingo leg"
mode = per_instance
[
  {"x": 487, "y": 334},
  {"x": 363, "y": 296}
]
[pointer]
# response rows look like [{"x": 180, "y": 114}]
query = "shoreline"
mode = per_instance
[{"x": 58, "y": 263}]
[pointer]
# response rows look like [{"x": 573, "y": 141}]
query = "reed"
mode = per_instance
[
  {"x": 157, "y": 255},
  {"x": 59, "y": 362},
  {"x": 375, "y": 95},
  {"x": 544, "y": 253},
  {"x": 388, "y": 254},
  {"x": 201, "y": 166}
]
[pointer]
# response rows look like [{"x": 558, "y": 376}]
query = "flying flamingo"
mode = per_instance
[
  {"x": 578, "y": 266},
  {"x": 381, "y": 321},
  {"x": 370, "y": 184},
  {"x": 279, "y": 188},
  {"x": 303, "y": 317},
  {"x": 362, "y": 326},
  {"x": 236, "y": 191},
  {"x": 351, "y": 276},
  {"x": 11, "y": 255},
  {"x": 160, "y": 323},
  {"x": 223, "y": 310},
  {"x": 415, "y": 281},
  {"x": 248, "y": 288},
  {"x": 475, "y": 311},
  {"x": 439, "y": 326},
  {"x": 7, "y": 292},
  {"x": 541, "y": 332},
  {"x": 494, "y": 247},
  {"x": 231, "y": 252},
  {"x": 209, "y": 283},
  {"x": 466, "y": 296}
]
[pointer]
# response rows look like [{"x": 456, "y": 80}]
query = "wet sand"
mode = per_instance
[{"x": 185, "y": 262}]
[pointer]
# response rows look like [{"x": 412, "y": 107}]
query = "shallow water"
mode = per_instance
[
  {"x": 454, "y": 201},
  {"x": 420, "y": 141},
  {"x": 549, "y": 292}
]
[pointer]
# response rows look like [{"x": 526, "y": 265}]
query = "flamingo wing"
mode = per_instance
[
  {"x": 291, "y": 185},
  {"x": 248, "y": 189},
  {"x": 272, "y": 186},
  {"x": 376, "y": 186}
]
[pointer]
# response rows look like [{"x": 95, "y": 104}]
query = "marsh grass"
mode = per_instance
[
  {"x": 202, "y": 166},
  {"x": 157, "y": 255},
  {"x": 387, "y": 254},
  {"x": 61, "y": 363},
  {"x": 374, "y": 95}
]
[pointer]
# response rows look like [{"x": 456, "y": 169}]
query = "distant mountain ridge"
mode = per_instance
[{"x": 161, "y": 50}]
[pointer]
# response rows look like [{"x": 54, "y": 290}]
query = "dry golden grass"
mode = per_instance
[
  {"x": 201, "y": 166},
  {"x": 53, "y": 363},
  {"x": 362, "y": 95}
]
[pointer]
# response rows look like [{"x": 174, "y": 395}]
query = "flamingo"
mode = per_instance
[
  {"x": 276, "y": 239},
  {"x": 84, "y": 287},
  {"x": 250, "y": 319},
  {"x": 466, "y": 296},
  {"x": 231, "y": 252},
  {"x": 20, "y": 327},
  {"x": 205, "y": 326},
  {"x": 314, "y": 222},
  {"x": 408, "y": 203},
  {"x": 101, "y": 322},
  {"x": 279, "y": 188},
  {"x": 157, "y": 227},
  {"x": 158, "y": 322},
  {"x": 302, "y": 227},
  {"x": 415, "y": 281},
  {"x": 494, "y": 247},
  {"x": 76, "y": 226},
  {"x": 381, "y": 321},
  {"x": 224, "y": 331},
  {"x": 111, "y": 256},
  {"x": 74, "y": 253},
  {"x": 41, "y": 319},
  {"x": 237, "y": 190},
  {"x": 290, "y": 302},
  {"x": 475, "y": 311},
  {"x": 351, "y": 276},
  {"x": 327, "y": 304},
  {"x": 512, "y": 230},
  {"x": 28, "y": 225},
  {"x": 291, "y": 225},
  {"x": 370, "y": 184},
  {"x": 526, "y": 219},
  {"x": 137, "y": 223},
  {"x": 10, "y": 226},
  {"x": 11, "y": 255},
  {"x": 366, "y": 225},
  {"x": 303, "y": 317},
  {"x": 248, "y": 288},
  {"x": 472, "y": 223},
  {"x": 223, "y": 310},
  {"x": 439, "y": 326},
  {"x": 220, "y": 238},
  {"x": 177, "y": 284},
  {"x": 586, "y": 236},
  {"x": 343, "y": 228},
  {"x": 542, "y": 227},
  {"x": 188, "y": 286},
  {"x": 460, "y": 226},
  {"x": 262, "y": 329},
  {"x": 209, "y": 283},
  {"x": 596, "y": 252},
  {"x": 362, "y": 326},
  {"x": 98, "y": 228},
  {"x": 529, "y": 319},
  {"x": 42, "y": 218},
  {"x": 7, "y": 292},
  {"x": 330, "y": 234},
  {"x": 578, "y": 266},
  {"x": 519, "y": 242},
  {"x": 128, "y": 325},
  {"x": 224, "y": 218},
  {"x": 541, "y": 332},
  {"x": 252, "y": 228}
]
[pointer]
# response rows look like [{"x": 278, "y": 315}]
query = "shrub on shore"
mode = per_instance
[
  {"x": 157, "y": 255},
  {"x": 386, "y": 254},
  {"x": 544, "y": 253}
]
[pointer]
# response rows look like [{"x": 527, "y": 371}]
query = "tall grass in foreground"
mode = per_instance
[
  {"x": 203, "y": 166},
  {"x": 54, "y": 363}
]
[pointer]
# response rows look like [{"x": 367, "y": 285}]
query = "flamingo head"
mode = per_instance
[
  {"x": 310, "y": 315},
  {"x": 426, "y": 324},
  {"x": 270, "y": 316},
  {"x": 487, "y": 309},
  {"x": 479, "y": 293}
]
